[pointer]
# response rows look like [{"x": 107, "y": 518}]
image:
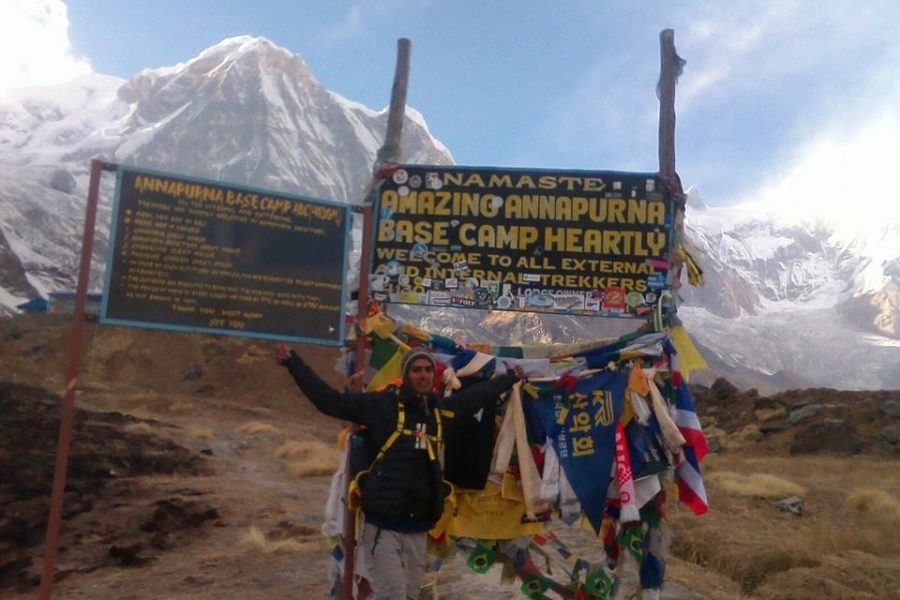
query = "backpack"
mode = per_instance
[{"x": 364, "y": 456}]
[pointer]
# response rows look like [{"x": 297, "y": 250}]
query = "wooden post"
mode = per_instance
[
  {"x": 670, "y": 65},
  {"x": 67, "y": 408},
  {"x": 668, "y": 76},
  {"x": 389, "y": 152}
]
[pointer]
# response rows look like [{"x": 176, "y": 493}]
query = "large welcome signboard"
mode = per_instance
[
  {"x": 575, "y": 242},
  {"x": 195, "y": 255}
]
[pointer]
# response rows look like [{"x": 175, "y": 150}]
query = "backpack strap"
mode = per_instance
[
  {"x": 398, "y": 431},
  {"x": 432, "y": 444}
]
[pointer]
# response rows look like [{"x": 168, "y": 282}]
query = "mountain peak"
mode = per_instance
[
  {"x": 694, "y": 200},
  {"x": 237, "y": 45},
  {"x": 242, "y": 49}
]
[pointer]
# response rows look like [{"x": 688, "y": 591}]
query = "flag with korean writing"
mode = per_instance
[{"x": 580, "y": 418}]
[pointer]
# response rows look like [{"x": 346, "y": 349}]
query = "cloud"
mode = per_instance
[
  {"x": 349, "y": 27},
  {"x": 34, "y": 44},
  {"x": 777, "y": 98},
  {"x": 732, "y": 45},
  {"x": 844, "y": 176},
  {"x": 744, "y": 46},
  {"x": 363, "y": 17},
  {"x": 823, "y": 85}
]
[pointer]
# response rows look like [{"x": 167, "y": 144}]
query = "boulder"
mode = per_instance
[
  {"x": 195, "y": 372},
  {"x": 722, "y": 389},
  {"x": 891, "y": 408},
  {"x": 890, "y": 435},
  {"x": 834, "y": 436},
  {"x": 767, "y": 403},
  {"x": 63, "y": 181},
  {"x": 774, "y": 426},
  {"x": 805, "y": 412},
  {"x": 793, "y": 504}
]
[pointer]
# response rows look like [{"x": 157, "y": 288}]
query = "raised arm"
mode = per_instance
[
  {"x": 472, "y": 399},
  {"x": 349, "y": 406}
]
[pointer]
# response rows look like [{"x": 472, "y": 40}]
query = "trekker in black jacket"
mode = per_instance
[{"x": 403, "y": 493}]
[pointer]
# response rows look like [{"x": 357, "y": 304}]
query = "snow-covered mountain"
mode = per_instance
[
  {"x": 790, "y": 295},
  {"x": 784, "y": 300},
  {"x": 244, "y": 111}
]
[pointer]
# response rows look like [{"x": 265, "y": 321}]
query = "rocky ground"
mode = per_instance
[
  {"x": 178, "y": 486},
  {"x": 801, "y": 422}
]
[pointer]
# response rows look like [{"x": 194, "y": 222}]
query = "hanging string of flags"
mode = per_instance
[
  {"x": 602, "y": 432},
  {"x": 617, "y": 407}
]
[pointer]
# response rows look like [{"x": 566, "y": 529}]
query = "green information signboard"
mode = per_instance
[{"x": 194, "y": 255}]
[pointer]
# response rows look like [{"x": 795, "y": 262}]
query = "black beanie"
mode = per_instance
[{"x": 414, "y": 354}]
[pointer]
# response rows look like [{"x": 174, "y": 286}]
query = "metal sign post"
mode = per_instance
[{"x": 67, "y": 412}]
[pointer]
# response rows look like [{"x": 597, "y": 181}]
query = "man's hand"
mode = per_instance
[
  {"x": 282, "y": 354},
  {"x": 518, "y": 370},
  {"x": 356, "y": 382}
]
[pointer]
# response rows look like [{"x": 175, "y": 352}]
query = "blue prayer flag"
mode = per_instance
[{"x": 582, "y": 426}]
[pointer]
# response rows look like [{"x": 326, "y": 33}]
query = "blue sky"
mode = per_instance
[{"x": 782, "y": 102}]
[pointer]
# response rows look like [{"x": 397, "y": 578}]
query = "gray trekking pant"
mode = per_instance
[{"x": 394, "y": 562}]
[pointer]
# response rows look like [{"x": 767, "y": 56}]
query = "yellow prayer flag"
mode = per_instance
[
  {"x": 381, "y": 325},
  {"x": 637, "y": 381},
  {"x": 390, "y": 371},
  {"x": 689, "y": 358},
  {"x": 488, "y": 515}
]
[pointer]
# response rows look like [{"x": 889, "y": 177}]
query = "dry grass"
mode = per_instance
[
  {"x": 255, "y": 354},
  {"x": 845, "y": 545},
  {"x": 745, "y": 557},
  {"x": 713, "y": 431},
  {"x": 256, "y": 540},
  {"x": 141, "y": 411},
  {"x": 851, "y": 533},
  {"x": 740, "y": 439},
  {"x": 96, "y": 386},
  {"x": 307, "y": 458},
  {"x": 875, "y": 505},
  {"x": 181, "y": 407},
  {"x": 715, "y": 586},
  {"x": 767, "y": 414},
  {"x": 853, "y": 575},
  {"x": 141, "y": 429},
  {"x": 258, "y": 428},
  {"x": 733, "y": 442},
  {"x": 200, "y": 433},
  {"x": 757, "y": 485},
  {"x": 105, "y": 343}
]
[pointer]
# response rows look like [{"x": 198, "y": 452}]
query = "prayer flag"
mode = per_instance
[
  {"x": 387, "y": 362},
  {"x": 582, "y": 426}
]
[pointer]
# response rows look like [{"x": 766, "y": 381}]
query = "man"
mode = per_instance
[{"x": 403, "y": 492}]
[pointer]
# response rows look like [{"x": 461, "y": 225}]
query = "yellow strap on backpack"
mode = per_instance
[{"x": 354, "y": 491}]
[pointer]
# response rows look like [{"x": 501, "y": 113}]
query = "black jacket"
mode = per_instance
[{"x": 404, "y": 490}]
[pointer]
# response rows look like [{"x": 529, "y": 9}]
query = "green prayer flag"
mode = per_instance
[
  {"x": 534, "y": 586},
  {"x": 481, "y": 559},
  {"x": 632, "y": 539},
  {"x": 599, "y": 584}
]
